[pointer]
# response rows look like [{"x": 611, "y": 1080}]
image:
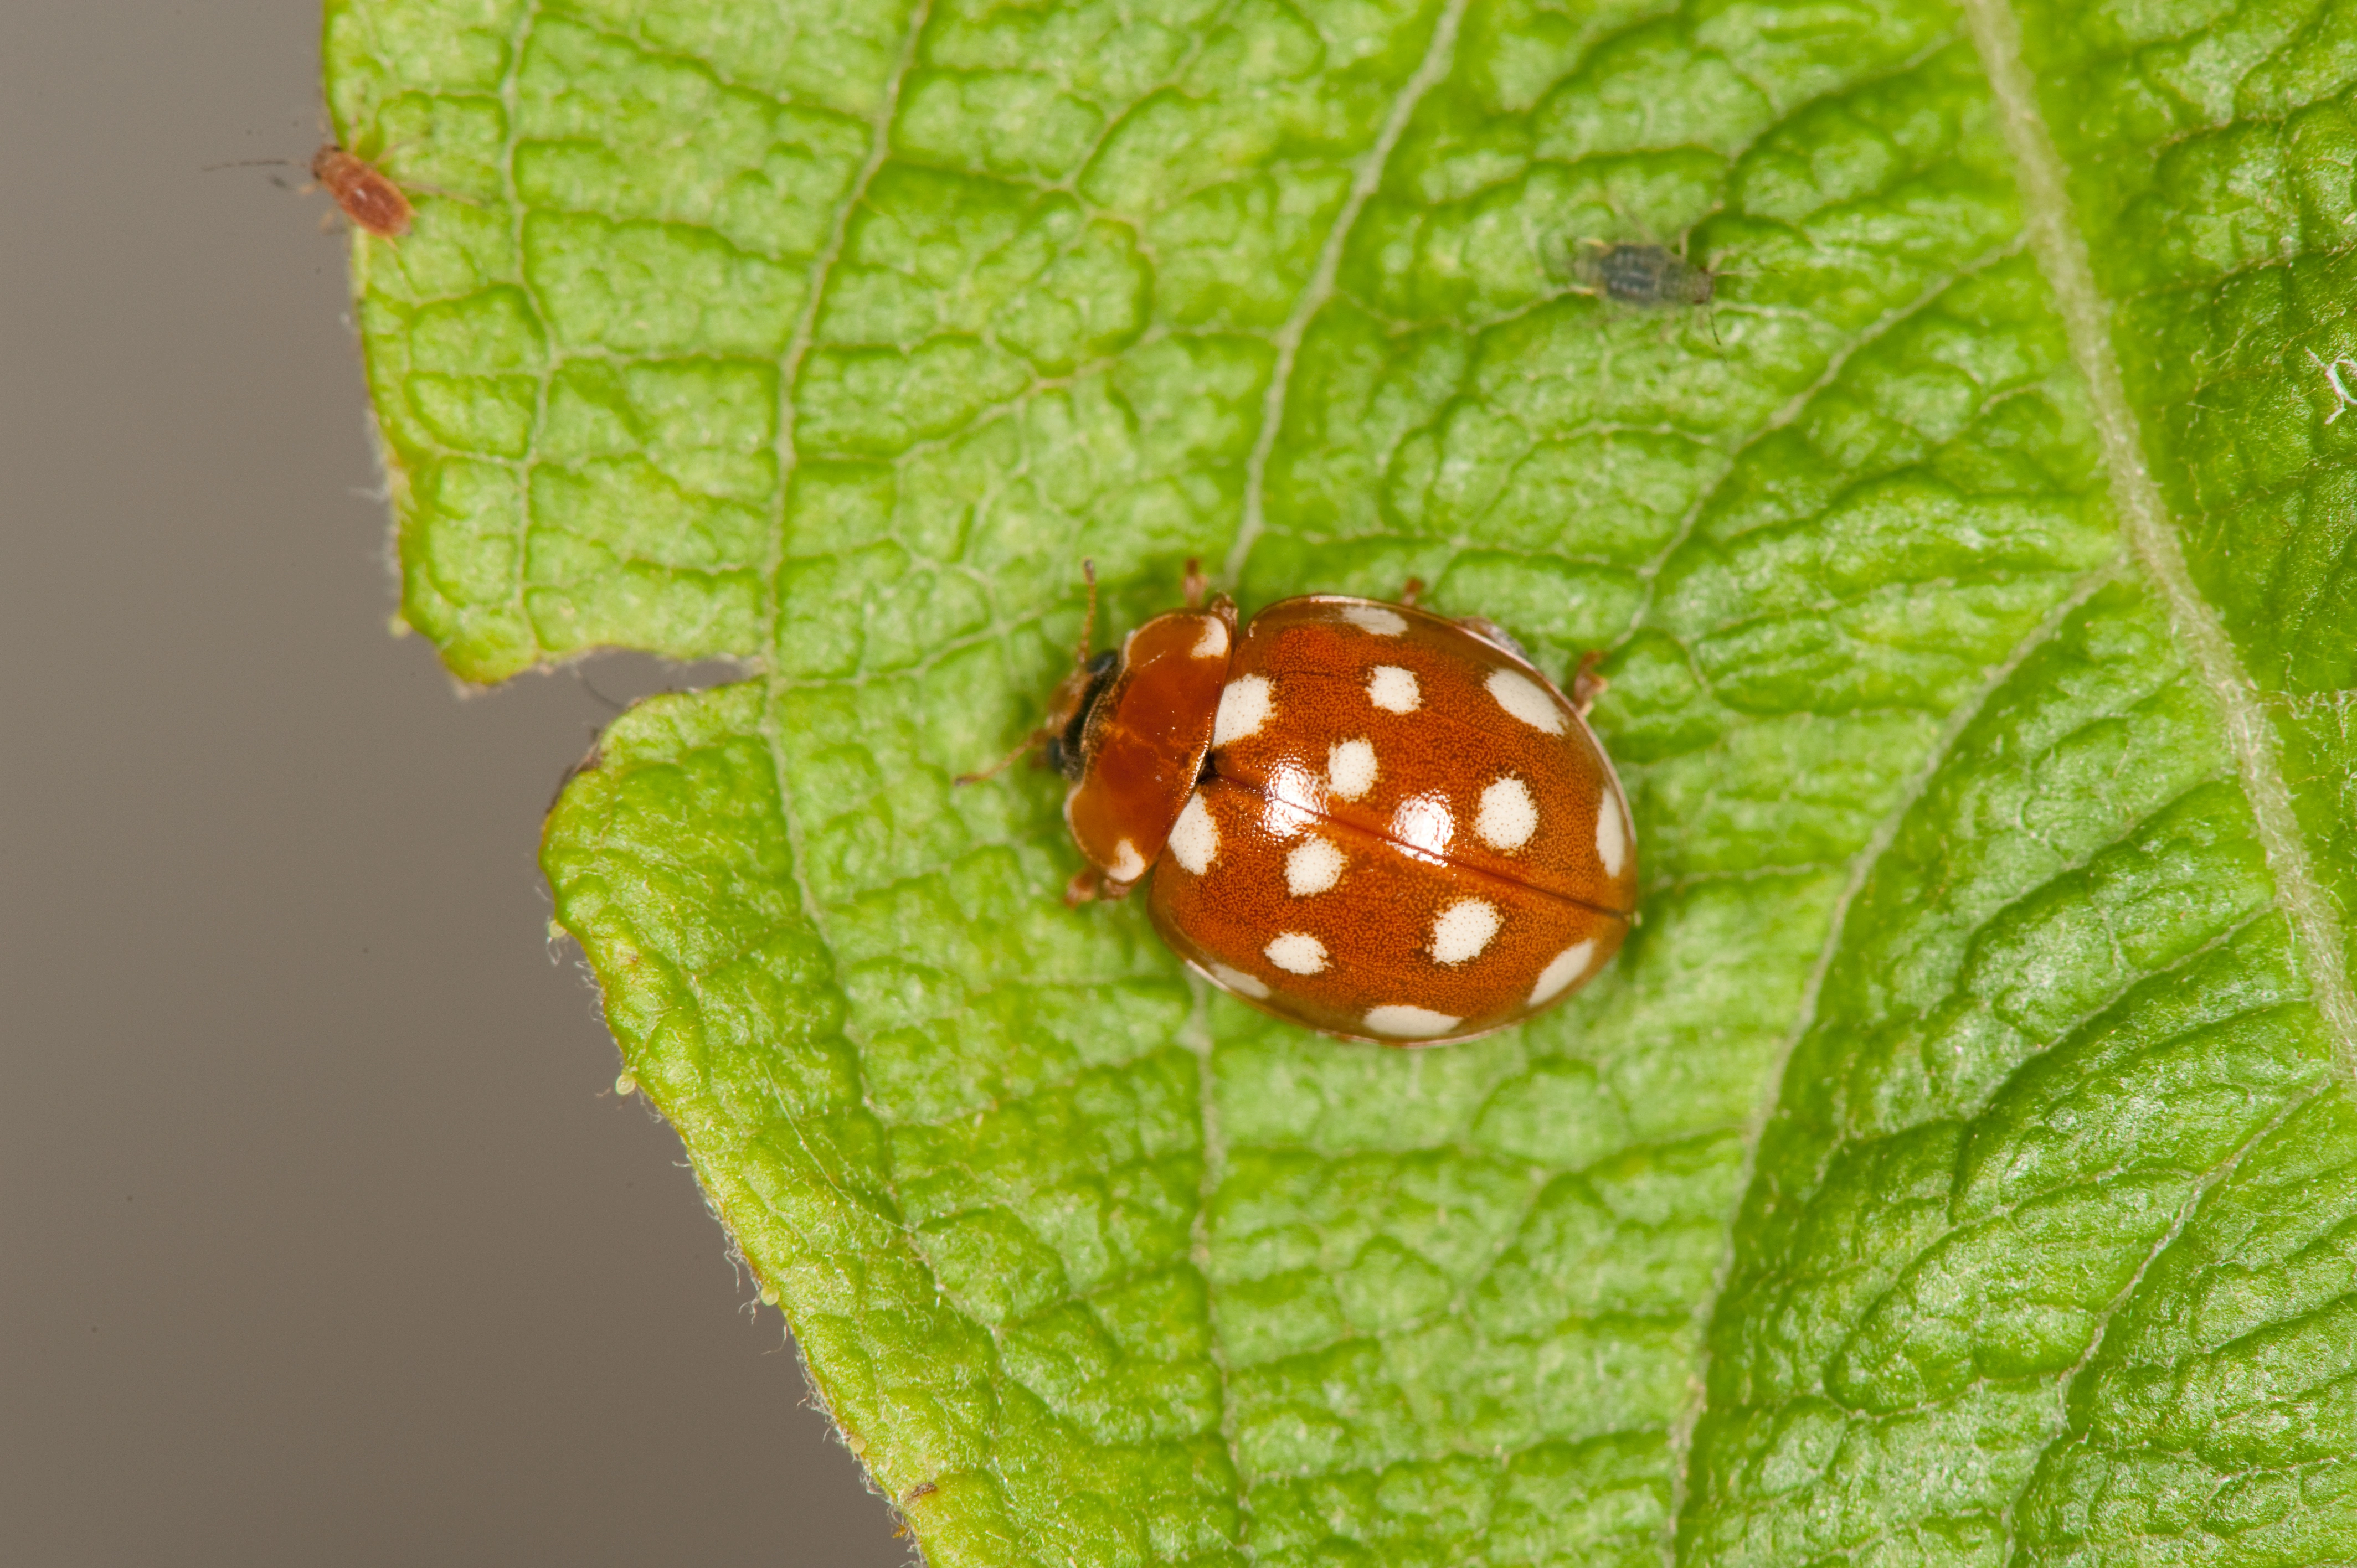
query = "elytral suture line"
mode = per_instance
[
  {"x": 2061, "y": 251},
  {"x": 1365, "y": 178}
]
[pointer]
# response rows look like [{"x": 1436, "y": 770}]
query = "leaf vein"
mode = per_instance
[
  {"x": 2062, "y": 256},
  {"x": 1364, "y": 179},
  {"x": 1862, "y": 865}
]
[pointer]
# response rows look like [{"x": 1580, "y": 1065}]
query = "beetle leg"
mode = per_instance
[
  {"x": 1084, "y": 887},
  {"x": 1066, "y": 702},
  {"x": 1587, "y": 686},
  {"x": 1088, "y": 619},
  {"x": 1194, "y": 584},
  {"x": 1032, "y": 742},
  {"x": 1411, "y": 591},
  {"x": 1481, "y": 626}
]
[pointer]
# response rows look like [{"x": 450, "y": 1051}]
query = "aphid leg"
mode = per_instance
[
  {"x": 1587, "y": 272},
  {"x": 1587, "y": 686},
  {"x": 384, "y": 155},
  {"x": 587, "y": 684},
  {"x": 1411, "y": 591},
  {"x": 1194, "y": 584}
]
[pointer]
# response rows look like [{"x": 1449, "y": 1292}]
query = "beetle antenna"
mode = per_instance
[
  {"x": 251, "y": 162},
  {"x": 1587, "y": 684},
  {"x": 1194, "y": 584},
  {"x": 1072, "y": 682},
  {"x": 1030, "y": 744},
  {"x": 1089, "y": 619}
]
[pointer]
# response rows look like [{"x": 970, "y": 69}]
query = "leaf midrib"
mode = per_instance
[
  {"x": 2317, "y": 942},
  {"x": 2061, "y": 248},
  {"x": 2061, "y": 252}
]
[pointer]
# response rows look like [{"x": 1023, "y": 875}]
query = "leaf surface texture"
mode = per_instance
[{"x": 1955, "y": 1167}]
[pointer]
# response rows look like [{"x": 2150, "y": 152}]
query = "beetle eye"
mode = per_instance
[{"x": 1065, "y": 752}]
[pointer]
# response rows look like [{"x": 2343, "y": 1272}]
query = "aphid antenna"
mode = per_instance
[
  {"x": 609, "y": 704},
  {"x": 327, "y": 139},
  {"x": 279, "y": 180},
  {"x": 1559, "y": 260}
]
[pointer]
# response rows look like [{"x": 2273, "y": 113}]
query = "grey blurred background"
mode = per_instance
[{"x": 323, "y": 1238}]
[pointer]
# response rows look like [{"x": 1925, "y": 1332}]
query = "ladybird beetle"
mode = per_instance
[{"x": 1358, "y": 816}]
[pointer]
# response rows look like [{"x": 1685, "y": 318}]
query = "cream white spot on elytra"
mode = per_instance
[
  {"x": 1526, "y": 700},
  {"x": 1611, "y": 835},
  {"x": 1350, "y": 768},
  {"x": 1245, "y": 703},
  {"x": 1461, "y": 932},
  {"x": 1507, "y": 816},
  {"x": 1374, "y": 619},
  {"x": 1393, "y": 690},
  {"x": 1237, "y": 981},
  {"x": 1561, "y": 971},
  {"x": 1293, "y": 799},
  {"x": 1424, "y": 824},
  {"x": 1405, "y": 1023},
  {"x": 1127, "y": 866},
  {"x": 1195, "y": 837},
  {"x": 1314, "y": 866},
  {"x": 1214, "y": 643},
  {"x": 1296, "y": 953}
]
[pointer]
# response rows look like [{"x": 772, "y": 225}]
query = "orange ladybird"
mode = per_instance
[{"x": 1361, "y": 817}]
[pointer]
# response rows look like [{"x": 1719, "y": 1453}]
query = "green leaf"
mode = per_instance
[{"x": 1956, "y": 1167}]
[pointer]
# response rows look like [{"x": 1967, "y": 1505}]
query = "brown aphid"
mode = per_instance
[{"x": 367, "y": 197}]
